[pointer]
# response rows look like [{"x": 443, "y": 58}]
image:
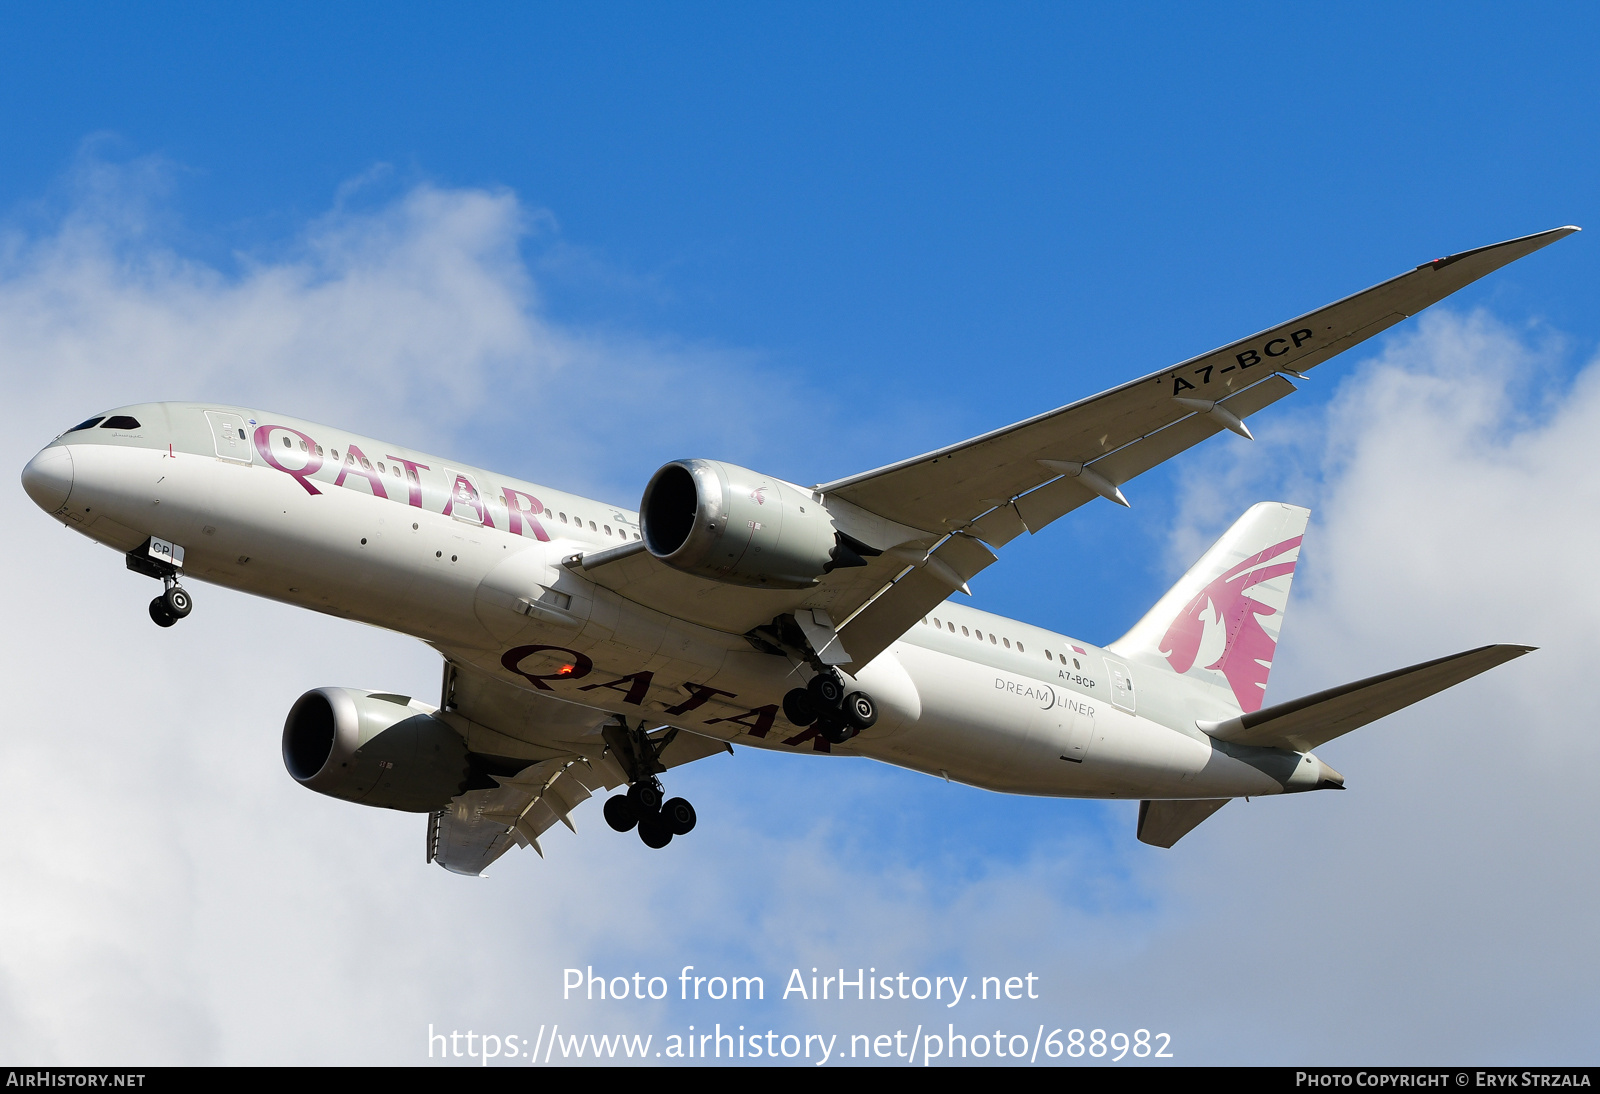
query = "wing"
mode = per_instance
[
  {"x": 936, "y": 520},
  {"x": 553, "y": 754},
  {"x": 984, "y": 492}
]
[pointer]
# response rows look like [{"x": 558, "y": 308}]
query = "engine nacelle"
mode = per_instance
[
  {"x": 374, "y": 749},
  {"x": 734, "y": 525}
]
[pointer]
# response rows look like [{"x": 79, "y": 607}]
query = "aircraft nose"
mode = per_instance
[{"x": 48, "y": 478}]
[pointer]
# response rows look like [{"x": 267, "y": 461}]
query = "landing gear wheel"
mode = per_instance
[
  {"x": 827, "y": 691},
  {"x": 646, "y": 800},
  {"x": 860, "y": 711},
  {"x": 833, "y": 730},
  {"x": 160, "y": 613},
  {"x": 678, "y": 816},
  {"x": 654, "y": 831},
  {"x": 799, "y": 707},
  {"x": 179, "y": 602},
  {"x": 620, "y": 814}
]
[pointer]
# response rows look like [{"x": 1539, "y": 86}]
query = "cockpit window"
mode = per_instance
[
  {"x": 120, "y": 421},
  {"x": 90, "y": 424}
]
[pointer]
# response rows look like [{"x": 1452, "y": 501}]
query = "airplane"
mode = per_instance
[{"x": 588, "y": 647}]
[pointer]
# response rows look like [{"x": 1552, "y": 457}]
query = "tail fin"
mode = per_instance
[{"x": 1220, "y": 623}]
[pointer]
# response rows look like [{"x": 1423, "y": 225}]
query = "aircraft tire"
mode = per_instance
[
  {"x": 179, "y": 602},
  {"x": 799, "y": 707},
  {"x": 860, "y": 712},
  {"x": 678, "y": 816},
  {"x": 160, "y": 614},
  {"x": 834, "y": 730},
  {"x": 827, "y": 691},
  {"x": 654, "y": 832},
  {"x": 645, "y": 799},
  {"x": 620, "y": 814}
]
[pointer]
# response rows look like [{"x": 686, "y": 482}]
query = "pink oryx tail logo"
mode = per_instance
[{"x": 1247, "y": 649}]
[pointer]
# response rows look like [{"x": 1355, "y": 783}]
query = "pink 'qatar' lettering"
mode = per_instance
[
  {"x": 577, "y": 667},
  {"x": 756, "y": 722},
  {"x": 638, "y": 686},
  {"x": 1247, "y": 655},
  {"x": 413, "y": 480},
  {"x": 515, "y": 513},
  {"x": 301, "y": 475},
  {"x": 464, "y": 492},
  {"x": 352, "y": 464}
]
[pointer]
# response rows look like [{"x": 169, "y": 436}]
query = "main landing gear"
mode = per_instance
[
  {"x": 642, "y": 807},
  {"x": 838, "y": 716}
]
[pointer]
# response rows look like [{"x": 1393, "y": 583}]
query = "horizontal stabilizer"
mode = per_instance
[
  {"x": 1305, "y": 723},
  {"x": 1163, "y": 823}
]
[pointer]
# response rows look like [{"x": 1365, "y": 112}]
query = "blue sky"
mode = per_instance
[{"x": 573, "y": 243}]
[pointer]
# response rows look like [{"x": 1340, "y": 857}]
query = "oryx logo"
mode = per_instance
[
  {"x": 758, "y": 497},
  {"x": 1225, "y": 621}
]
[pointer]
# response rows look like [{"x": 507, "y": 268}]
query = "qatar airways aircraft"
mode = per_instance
[{"x": 589, "y": 647}]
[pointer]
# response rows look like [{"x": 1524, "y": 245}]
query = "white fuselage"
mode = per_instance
[{"x": 382, "y": 534}]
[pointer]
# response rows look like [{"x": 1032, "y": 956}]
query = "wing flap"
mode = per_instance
[
  {"x": 931, "y": 581},
  {"x": 1304, "y": 724}
]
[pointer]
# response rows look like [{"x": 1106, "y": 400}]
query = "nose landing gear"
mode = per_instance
[
  {"x": 641, "y": 807},
  {"x": 838, "y": 716},
  {"x": 159, "y": 559}
]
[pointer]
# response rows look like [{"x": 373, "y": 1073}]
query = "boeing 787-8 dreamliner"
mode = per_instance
[{"x": 588, "y": 647}]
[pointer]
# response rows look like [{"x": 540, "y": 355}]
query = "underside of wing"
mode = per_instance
[
  {"x": 950, "y": 488},
  {"x": 994, "y": 487},
  {"x": 925, "y": 526},
  {"x": 554, "y": 756}
]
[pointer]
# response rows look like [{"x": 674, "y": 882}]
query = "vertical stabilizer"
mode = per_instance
[{"x": 1219, "y": 625}]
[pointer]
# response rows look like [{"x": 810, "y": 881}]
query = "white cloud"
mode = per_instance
[{"x": 172, "y": 896}]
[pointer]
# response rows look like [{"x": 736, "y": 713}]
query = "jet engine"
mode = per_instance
[
  {"x": 740, "y": 527},
  {"x": 374, "y": 749}
]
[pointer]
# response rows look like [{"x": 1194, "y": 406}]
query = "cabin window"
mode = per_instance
[
  {"x": 381, "y": 470},
  {"x": 319, "y": 450},
  {"x": 964, "y": 633},
  {"x": 1007, "y": 642},
  {"x": 979, "y": 633},
  {"x": 412, "y": 475},
  {"x": 592, "y": 527},
  {"x": 1020, "y": 649},
  {"x": 608, "y": 529},
  {"x": 1048, "y": 656},
  {"x": 122, "y": 421},
  {"x": 952, "y": 627},
  {"x": 287, "y": 443},
  {"x": 1063, "y": 658},
  {"x": 563, "y": 518},
  {"x": 90, "y": 424},
  {"x": 938, "y": 624},
  {"x": 335, "y": 452},
  {"x": 302, "y": 446},
  {"x": 1076, "y": 665},
  {"x": 396, "y": 469},
  {"x": 992, "y": 642}
]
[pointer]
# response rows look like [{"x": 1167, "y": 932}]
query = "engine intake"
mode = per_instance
[
  {"x": 373, "y": 749},
  {"x": 737, "y": 526}
]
